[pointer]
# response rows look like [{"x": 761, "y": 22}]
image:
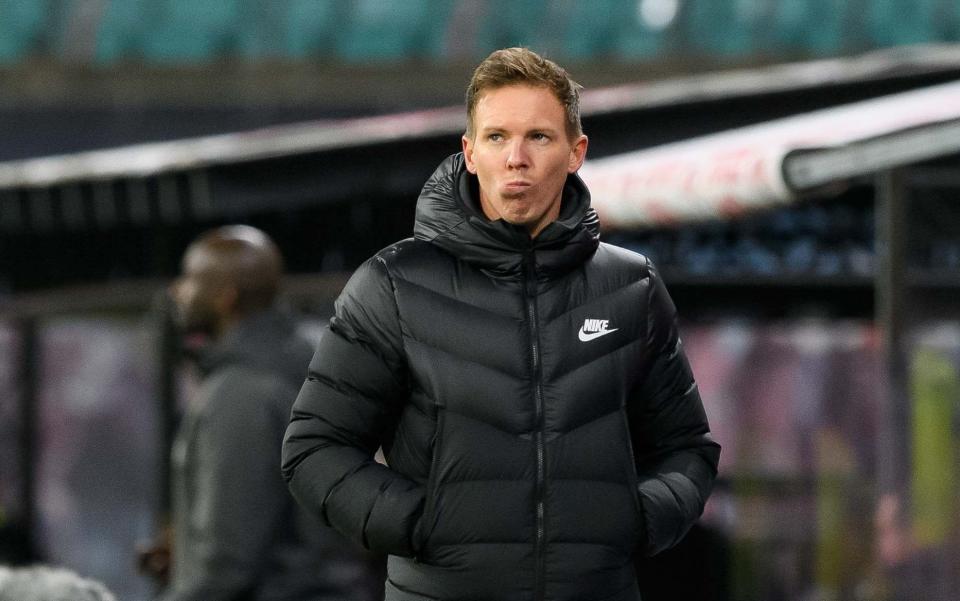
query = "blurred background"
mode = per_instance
[{"x": 793, "y": 167}]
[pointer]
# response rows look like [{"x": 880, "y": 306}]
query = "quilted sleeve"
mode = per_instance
[
  {"x": 349, "y": 401},
  {"x": 675, "y": 455}
]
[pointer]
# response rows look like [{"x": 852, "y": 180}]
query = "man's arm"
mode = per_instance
[
  {"x": 353, "y": 392},
  {"x": 676, "y": 457},
  {"x": 238, "y": 497}
]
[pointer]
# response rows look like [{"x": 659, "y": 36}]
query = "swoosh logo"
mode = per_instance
[{"x": 587, "y": 337}]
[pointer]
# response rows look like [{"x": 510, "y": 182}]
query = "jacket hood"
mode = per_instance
[{"x": 449, "y": 216}]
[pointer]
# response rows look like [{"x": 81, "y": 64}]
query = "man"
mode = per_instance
[
  {"x": 237, "y": 533},
  {"x": 527, "y": 384}
]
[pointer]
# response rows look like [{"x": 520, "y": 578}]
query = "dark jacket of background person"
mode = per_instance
[
  {"x": 237, "y": 532},
  {"x": 523, "y": 463}
]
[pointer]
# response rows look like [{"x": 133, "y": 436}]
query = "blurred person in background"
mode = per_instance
[
  {"x": 236, "y": 532},
  {"x": 49, "y": 583},
  {"x": 539, "y": 419}
]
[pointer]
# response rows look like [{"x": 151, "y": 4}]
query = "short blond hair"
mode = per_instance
[{"x": 521, "y": 66}]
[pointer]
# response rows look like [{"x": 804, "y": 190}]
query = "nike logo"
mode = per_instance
[{"x": 594, "y": 328}]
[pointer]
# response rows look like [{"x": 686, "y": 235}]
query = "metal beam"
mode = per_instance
[
  {"x": 893, "y": 453},
  {"x": 27, "y": 438}
]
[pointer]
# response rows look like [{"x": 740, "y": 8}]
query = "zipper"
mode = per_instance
[{"x": 530, "y": 296}]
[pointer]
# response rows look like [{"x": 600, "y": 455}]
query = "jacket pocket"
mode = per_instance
[
  {"x": 396, "y": 593},
  {"x": 429, "y": 520}
]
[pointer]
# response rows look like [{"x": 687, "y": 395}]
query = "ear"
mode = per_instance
[
  {"x": 578, "y": 152},
  {"x": 468, "y": 154}
]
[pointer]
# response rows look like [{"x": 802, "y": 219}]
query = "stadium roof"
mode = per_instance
[
  {"x": 640, "y": 174},
  {"x": 155, "y": 158}
]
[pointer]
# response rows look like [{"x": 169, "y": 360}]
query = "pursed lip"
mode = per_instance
[{"x": 517, "y": 184}]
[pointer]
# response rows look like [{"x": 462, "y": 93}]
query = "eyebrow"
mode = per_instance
[{"x": 500, "y": 128}]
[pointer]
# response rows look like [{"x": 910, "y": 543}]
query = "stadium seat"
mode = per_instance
[
  {"x": 188, "y": 30},
  {"x": 310, "y": 27},
  {"x": 123, "y": 28},
  {"x": 393, "y": 31},
  {"x": 513, "y": 23},
  {"x": 261, "y": 29},
  {"x": 639, "y": 39},
  {"x": 900, "y": 22},
  {"x": 605, "y": 29},
  {"x": 721, "y": 28},
  {"x": 22, "y": 27},
  {"x": 813, "y": 27},
  {"x": 590, "y": 28}
]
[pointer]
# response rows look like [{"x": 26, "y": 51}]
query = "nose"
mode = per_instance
[{"x": 517, "y": 157}]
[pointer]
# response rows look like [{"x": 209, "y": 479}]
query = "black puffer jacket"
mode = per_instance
[{"x": 537, "y": 413}]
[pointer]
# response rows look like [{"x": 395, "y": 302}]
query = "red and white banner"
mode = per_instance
[{"x": 729, "y": 173}]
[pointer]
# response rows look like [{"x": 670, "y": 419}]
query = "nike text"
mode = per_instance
[{"x": 594, "y": 328}]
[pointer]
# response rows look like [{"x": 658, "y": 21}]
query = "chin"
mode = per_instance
[{"x": 520, "y": 221}]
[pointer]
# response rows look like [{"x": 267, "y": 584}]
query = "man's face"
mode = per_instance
[
  {"x": 521, "y": 154},
  {"x": 198, "y": 293}
]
